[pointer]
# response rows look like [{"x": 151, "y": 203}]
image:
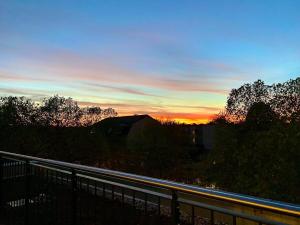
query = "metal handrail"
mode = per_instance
[{"x": 280, "y": 207}]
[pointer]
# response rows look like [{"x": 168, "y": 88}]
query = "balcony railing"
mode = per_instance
[{"x": 43, "y": 191}]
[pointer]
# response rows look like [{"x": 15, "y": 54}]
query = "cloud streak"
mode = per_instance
[
  {"x": 63, "y": 65},
  {"x": 87, "y": 75},
  {"x": 127, "y": 90}
]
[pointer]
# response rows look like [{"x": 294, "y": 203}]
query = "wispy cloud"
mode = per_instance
[
  {"x": 128, "y": 90},
  {"x": 8, "y": 76},
  {"x": 34, "y": 95},
  {"x": 68, "y": 66}
]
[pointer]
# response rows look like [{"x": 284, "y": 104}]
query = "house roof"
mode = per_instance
[{"x": 119, "y": 125}]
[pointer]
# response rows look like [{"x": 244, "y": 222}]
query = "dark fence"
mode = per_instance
[{"x": 40, "y": 191}]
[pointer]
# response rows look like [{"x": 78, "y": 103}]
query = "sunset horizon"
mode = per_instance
[
  {"x": 172, "y": 61},
  {"x": 149, "y": 112}
]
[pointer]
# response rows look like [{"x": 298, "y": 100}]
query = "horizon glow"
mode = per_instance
[{"x": 170, "y": 59}]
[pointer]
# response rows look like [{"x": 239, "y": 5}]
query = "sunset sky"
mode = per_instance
[{"x": 170, "y": 59}]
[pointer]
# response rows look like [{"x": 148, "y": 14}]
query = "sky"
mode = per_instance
[{"x": 175, "y": 60}]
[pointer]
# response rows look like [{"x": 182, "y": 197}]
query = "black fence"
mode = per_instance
[{"x": 40, "y": 191}]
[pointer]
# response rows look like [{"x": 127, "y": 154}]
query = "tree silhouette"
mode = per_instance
[
  {"x": 240, "y": 100},
  {"x": 54, "y": 111},
  {"x": 15, "y": 111},
  {"x": 60, "y": 111},
  {"x": 260, "y": 116},
  {"x": 286, "y": 99},
  {"x": 259, "y": 153},
  {"x": 283, "y": 99}
]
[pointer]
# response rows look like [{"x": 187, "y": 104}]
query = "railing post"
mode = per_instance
[
  {"x": 27, "y": 190},
  {"x": 74, "y": 197},
  {"x": 175, "y": 208},
  {"x": 1, "y": 186}
]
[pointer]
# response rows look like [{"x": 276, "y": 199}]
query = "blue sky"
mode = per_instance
[{"x": 172, "y": 59}]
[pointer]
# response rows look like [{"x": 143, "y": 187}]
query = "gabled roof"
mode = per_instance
[
  {"x": 122, "y": 120},
  {"x": 119, "y": 125}
]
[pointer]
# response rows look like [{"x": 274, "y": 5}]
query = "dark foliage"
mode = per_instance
[
  {"x": 283, "y": 98},
  {"x": 257, "y": 146},
  {"x": 58, "y": 128},
  {"x": 54, "y": 111}
]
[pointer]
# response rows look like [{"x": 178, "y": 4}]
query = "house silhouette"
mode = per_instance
[{"x": 123, "y": 125}]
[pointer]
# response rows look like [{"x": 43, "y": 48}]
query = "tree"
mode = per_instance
[
  {"x": 260, "y": 116},
  {"x": 53, "y": 111},
  {"x": 283, "y": 98},
  {"x": 286, "y": 99},
  {"x": 17, "y": 111},
  {"x": 240, "y": 100},
  {"x": 60, "y": 111},
  {"x": 91, "y": 115},
  {"x": 109, "y": 112},
  {"x": 259, "y": 153}
]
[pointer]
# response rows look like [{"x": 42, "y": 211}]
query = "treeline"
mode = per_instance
[
  {"x": 53, "y": 111},
  {"x": 54, "y": 128},
  {"x": 257, "y": 142},
  {"x": 58, "y": 128}
]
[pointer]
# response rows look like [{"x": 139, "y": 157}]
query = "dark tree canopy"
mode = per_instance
[
  {"x": 60, "y": 111},
  {"x": 17, "y": 111},
  {"x": 53, "y": 111},
  {"x": 283, "y": 99},
  {"x": 260, "y": 116},
  {"x": 286, "y": 99},
  {"x": 257, "y": 142},
  {"x": 241, "y": 99}
]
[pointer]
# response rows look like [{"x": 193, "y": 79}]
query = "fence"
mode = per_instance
[{"x": 42, "y": 191}]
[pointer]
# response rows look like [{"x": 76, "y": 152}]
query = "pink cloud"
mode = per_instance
[{"x": 67, "y": 66}]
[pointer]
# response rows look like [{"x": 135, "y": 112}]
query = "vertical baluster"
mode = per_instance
[
  {"x": 88, "y": 185},
  {"x": 123, "y": 197},
  {"x": 146, "y": 203},
  {"x": 62, "y": 178},
  {"x": 20, "y": 169},
  {"x": 233, "y": 220},
  {"x": 27, "y": 191},
  {"x": 103, "y": 193},
  {"x": 8, "y": 169},
  {"x": 133, "y": 198},
  {"x": 81, "y": 199},
  {"x": 158, "y": 205},
  {"x": 193, "y": 215},
  {"x": 74, "y": 198},
  {"x": 89, "y": 202},
  {"x": 56, "y": 200},
  {"x": 175, "y": 208},
  {"x": 80, "y": 182},
  {"x": 1, "y": 185},
  {"x": 212, "y": 220},
  {"x": 95, "y": 201},
  {"x": 13, "y": 170}
]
